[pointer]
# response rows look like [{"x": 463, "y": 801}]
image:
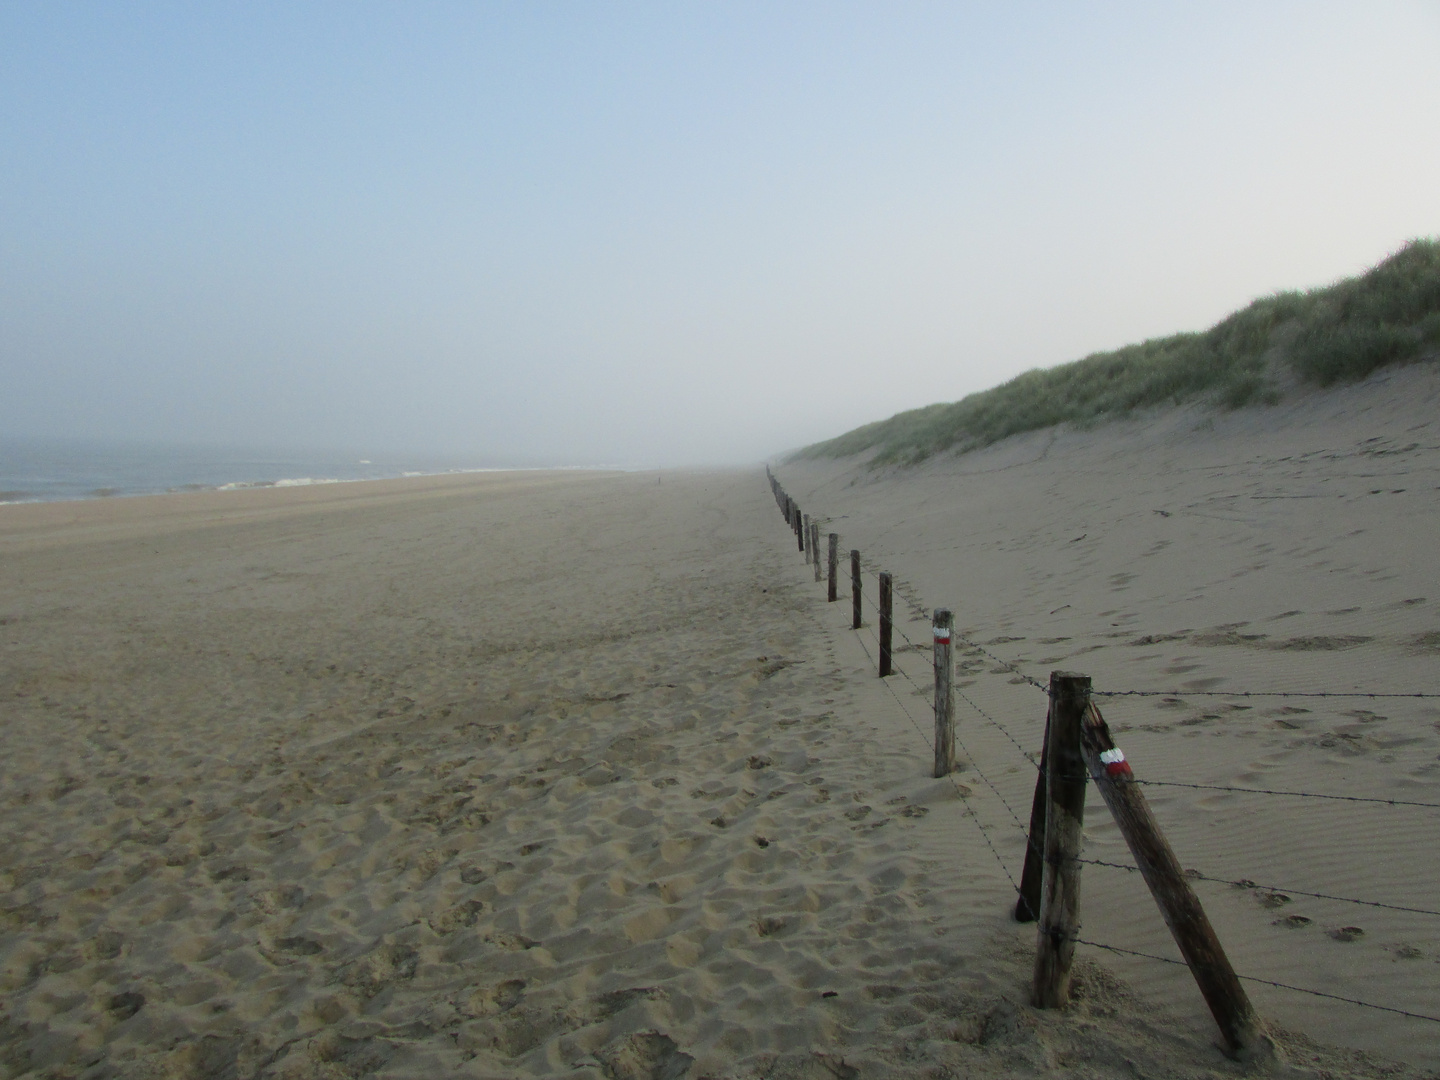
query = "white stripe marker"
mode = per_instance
[{"x": 1115, "y": 763}]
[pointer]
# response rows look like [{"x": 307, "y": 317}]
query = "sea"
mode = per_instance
[{"x": 46, "y": 470}]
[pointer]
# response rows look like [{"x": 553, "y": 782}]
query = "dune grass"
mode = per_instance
[{"x": 1338, "y": 333}]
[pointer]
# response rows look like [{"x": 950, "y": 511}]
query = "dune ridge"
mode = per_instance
[{"x": 1340, "y": 333}]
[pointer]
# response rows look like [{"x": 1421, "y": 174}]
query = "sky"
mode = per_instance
[{"x": 663, "y": 234}]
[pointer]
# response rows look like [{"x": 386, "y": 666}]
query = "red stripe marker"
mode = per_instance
[{"x": 1115, "y": 763}]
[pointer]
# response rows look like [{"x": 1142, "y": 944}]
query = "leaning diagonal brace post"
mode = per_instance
[{"x": 1239, "y": 1026}]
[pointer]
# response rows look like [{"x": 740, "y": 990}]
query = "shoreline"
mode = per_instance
[{"x": 196, "y": 488}]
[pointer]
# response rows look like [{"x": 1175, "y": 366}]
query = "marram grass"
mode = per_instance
[{"x": 1339, "y": 333}]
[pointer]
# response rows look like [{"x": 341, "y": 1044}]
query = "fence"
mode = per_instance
[{"x": 1077, "y": 751}]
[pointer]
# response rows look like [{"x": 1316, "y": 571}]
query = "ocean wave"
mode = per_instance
[{"x": 286, "y": 482}]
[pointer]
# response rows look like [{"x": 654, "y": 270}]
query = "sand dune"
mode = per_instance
[
  {"x": 1284, "y": 549},
  {"x": 578, "y": 775}
]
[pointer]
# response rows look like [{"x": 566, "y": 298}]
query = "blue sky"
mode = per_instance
[{"x": 662, "y": 233}]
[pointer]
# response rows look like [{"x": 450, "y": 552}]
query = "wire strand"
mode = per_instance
[
  {"x": 1245, "y": 883},
  {"x": 1261, "y": 693},
  {"x": 1265, "y": 982},
  {"x": 1010, "y": 666},
  {"x": 1289, "y": 794}
]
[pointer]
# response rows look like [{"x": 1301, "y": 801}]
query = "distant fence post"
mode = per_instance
[
  {"x": 1234, "y": 1015},
  {"x": 831, "y": 563},
  {"x": 854, "y": 589},
  {"x": 805, "y": 545},
  {"x": 1027, "y": 904},
  {"x": 944, "y": 694},
  {"x": 1064, "y": 818},
  {"x": 815, "y": 547},
  {"x": 885, "y": 624}
]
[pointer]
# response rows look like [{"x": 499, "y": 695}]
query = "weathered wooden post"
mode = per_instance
[
  {"x": 854, "y": 589},
  {"x": 815, "y": 547},
  {"x": 1027, "y": 904},
  {"x": 1234, "y": 1015},
  {"x": 885, "y": 624},
  {"x": 944, "y": 694},
  {"x": 830, "y": 593},
  {"x": 805, "y": 545},
  {"x": 797, "y": 524},
  {"x": 1064, "y": 817}
]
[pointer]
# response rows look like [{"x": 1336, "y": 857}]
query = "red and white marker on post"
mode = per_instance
[{"x": 1115, "y": 763}]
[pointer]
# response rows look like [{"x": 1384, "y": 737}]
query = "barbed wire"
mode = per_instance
[
  {"x": 970, "y": 811},
  {"x": 1024, "y": 829},
  {"x": 1168, "y": 783},
  {"x": 1261, "y": 693},
  {"x": 1009, "y": 665},
  {"x": 969, "y": 642},
  {"x": 1266, "y": 982},
  {"x": 1194, "y": 874},
  {"x": 1026, "y": 754},
  {"x": 1270, "y": 791},
  {"x": 960, "y": 637},
  {"x": 929, "y": 744},
  {"x": 1246, "y": 883},
  {"x": 1012, "y": 667},
  {"x": 985, "y": 835},
  {"x": 971, "y": 758}
]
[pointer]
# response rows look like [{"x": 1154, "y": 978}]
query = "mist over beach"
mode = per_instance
[{"x": 432, "y": 447}]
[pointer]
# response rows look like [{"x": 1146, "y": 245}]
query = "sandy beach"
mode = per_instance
[{"x": 578, "y": 774}]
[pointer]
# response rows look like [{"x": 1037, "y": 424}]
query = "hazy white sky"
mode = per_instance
[{"x": 663, "y": 233}]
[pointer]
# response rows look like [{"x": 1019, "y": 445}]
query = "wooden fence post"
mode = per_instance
[
  {"x": 1064, "y": 817},
  {"x": 805, "y": 545},
  {"x": 944, "y": 694},
  {"x": 885, "y": 624},
  {"x": 832, "y": 568},
  {"x": 1027, "y": 904},
  {"x": 854, "y": 589},
  {"x": 797, "y": 524},
  {"x": 1239, "y": 1026},
  {"x": 815, "y": 547}
]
